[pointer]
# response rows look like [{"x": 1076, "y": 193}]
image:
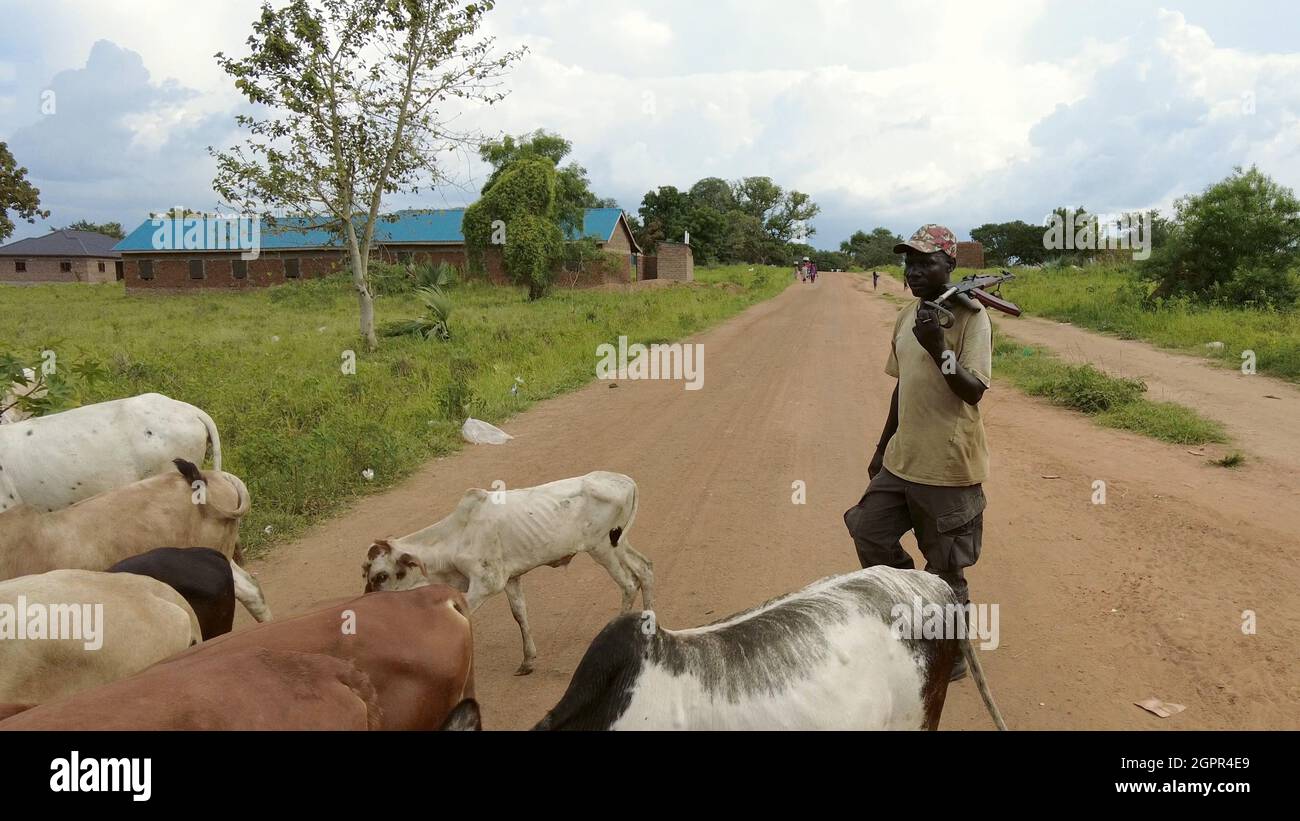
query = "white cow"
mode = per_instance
[
  {"x": 50, "y": 462},
  {"x": 495, "y": 537},
  {"x": 81, "y": 628},
  {"x": 833, "y": 656}
]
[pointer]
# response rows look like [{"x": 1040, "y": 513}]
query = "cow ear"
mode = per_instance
[
  {"x": 407, "y": 560},
  {"x": 464, "y": 716},
  {"x": 378, "y": 548}
]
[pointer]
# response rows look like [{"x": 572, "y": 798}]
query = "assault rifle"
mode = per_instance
[{"x": 973, "y": 286}]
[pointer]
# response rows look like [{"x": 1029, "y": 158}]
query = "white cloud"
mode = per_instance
[{"x": 887, "y": 115}]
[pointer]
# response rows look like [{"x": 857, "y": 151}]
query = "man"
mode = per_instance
[
  {"x": 927, "y": 470},
  {"x": 875, "y": 279}
]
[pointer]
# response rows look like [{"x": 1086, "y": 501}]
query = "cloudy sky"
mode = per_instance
[{"x": 889, "y": 114}]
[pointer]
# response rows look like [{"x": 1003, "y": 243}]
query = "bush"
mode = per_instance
[{"x": 1235, "y": 243}]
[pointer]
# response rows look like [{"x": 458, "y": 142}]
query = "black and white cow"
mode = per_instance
[
  {"x": 203, "y": 577},
  {"x": 828, "y": 657}
]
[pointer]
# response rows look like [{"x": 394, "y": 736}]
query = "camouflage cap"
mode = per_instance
[{"x": 928, "y": 239}]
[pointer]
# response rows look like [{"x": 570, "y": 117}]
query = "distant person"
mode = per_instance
[
  {"x": 928, "y": 470},
  {"x": 875, "y": 279}
]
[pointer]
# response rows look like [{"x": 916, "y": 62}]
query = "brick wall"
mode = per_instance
[
  {"x": 48, "y": 269},
  {"x": 970, "y": 255},
  {"x": 621, "y": 240},
  {"x": 172, "y": 271},
  {"x": 649, "y": 267},
  {"x": 675, "y": 261}
]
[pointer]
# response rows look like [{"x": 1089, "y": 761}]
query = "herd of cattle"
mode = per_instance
[{"x": 106, "y": 505}]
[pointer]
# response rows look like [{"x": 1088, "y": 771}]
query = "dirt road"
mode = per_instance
[{"x": 1099, "y": 605}]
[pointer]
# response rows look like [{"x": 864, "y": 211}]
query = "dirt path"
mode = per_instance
[{"x": 1100, "y": 605}]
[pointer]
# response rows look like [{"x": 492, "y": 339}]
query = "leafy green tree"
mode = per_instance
[
  {"x": 1006, "y": 241},
  {"x": 1238, "y": 241},
  {"x": 519, "y": 214},
  {"x": 17, "y": 195},
  {"x": 573, "y": 192},
  {"x": 871, "y": 250},
  {"x": 108, "y": 229},
  {"x": 714, "y": 193},
  {"x": 665, "y": 214},
  {"x": 349, "y": 100}
]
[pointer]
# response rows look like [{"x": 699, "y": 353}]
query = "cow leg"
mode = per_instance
[
  {"x": 249, "y": 593},
  {"x": 640, "y": 567},
  {"x": 613, "y": 564},
  {"x": 515, "y": 593}
]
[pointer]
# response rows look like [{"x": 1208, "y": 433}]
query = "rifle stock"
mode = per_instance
[{"x": 991, "y": 301}]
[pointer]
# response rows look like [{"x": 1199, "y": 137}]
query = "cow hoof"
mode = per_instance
[{"x": 524, "y": 669}]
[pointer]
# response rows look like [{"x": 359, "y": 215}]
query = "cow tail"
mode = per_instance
[
  {"x": 213, "y": 437},
  {"x": 244, "y": 502},
  {"x": 977, "y": 672}
]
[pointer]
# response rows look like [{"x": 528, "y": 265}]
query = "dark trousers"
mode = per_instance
[{"x": 949, "y": 525}]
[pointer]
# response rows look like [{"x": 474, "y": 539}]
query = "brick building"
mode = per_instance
[
  {"x": 675, "y": 261},
  {"x": 61, "y": 256},
  {"x": 171, "y": 254},
  {"x": 970, "y": 255}
]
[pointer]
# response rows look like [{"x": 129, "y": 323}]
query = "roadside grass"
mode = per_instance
[
  {"x": 266, "y": 364},
  {"x": 1114, "y": 402},
  {"x": 1109, "y": 299}
]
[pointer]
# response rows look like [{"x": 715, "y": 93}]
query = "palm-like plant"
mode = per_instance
[{"x": 435, "y": 322}]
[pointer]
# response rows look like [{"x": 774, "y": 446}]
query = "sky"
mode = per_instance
[{"x": 888, "y": 114}]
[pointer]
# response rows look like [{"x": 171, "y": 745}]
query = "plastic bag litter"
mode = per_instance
[{"x": 478, "y": 432}]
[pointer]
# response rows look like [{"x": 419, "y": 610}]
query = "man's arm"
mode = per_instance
[
  {"x": 962, "y": 382},
  {"x": 891, "y": 425}
]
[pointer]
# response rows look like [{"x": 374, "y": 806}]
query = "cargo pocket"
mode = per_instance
[{"x": 960, "y": 530}]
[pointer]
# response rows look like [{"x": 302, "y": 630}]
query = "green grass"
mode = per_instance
[
  {"x": 1114, "y": 402},
  {"x": 1109, "y": 300},
  {"x": 266, "y": 365}
]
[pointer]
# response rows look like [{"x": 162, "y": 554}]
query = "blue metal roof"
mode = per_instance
[
  {"x": 599, "y": 223},
  {"x": 409, "y": 226}
]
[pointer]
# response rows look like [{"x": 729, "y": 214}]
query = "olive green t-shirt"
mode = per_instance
[{"x": 940, "y": 438}]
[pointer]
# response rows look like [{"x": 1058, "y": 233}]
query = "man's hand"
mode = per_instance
[
  {"x": 877, "y": 463},
  {"x": 927, "y": 331}
]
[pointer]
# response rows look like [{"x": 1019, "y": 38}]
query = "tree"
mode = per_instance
[
  {"x": 872, "y": 250},
  {"x": 664, "y": 213},
  {"x": 783, "y": 214},
  {"x": 519, "y": 213},
  {"x": 108, "y": 229},
  {"x": 1006, "y": 241},
  {"x": 1237, "y": 242},
  {"x": 16, "y": 194},
  {"x": 572, "y": 188},
  {"x": 788, "y": 221},
  {"x": 714, "y": 193},
  {"x": 353, "y": 90}
]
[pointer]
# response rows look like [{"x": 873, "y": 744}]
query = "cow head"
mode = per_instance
[{"x": 388, "y": 569}]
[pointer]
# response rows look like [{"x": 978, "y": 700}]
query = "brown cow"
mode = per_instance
[
  {"x": 414, "y": 648},
  {"x": 189, "y": 508},
  {"x": 252, "y": 689}
]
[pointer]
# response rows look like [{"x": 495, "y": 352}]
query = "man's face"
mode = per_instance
[{"x": 927, "y": 274}]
